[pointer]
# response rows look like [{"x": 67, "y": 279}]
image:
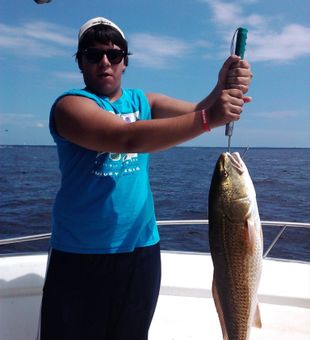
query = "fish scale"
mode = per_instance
[
  {"x": 235, "y": 238},
  {"x": 240, "y": 293}
]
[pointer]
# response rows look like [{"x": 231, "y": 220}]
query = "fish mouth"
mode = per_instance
[{"x": 236, "y": 161}]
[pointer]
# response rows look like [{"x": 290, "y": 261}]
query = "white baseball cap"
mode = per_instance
[{"x": 98, "y": 21}]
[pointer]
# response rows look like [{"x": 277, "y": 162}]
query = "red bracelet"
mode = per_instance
[{"x": 205, "y": 120}]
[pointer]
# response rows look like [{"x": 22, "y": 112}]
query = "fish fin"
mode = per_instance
[
  {"x": 218, "y": 307},
  {"x": 249, "y": 235},
  {"x": 257, "y": 322}
]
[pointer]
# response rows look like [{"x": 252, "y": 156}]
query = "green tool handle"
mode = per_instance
[
  {"x": 239, "y": 51},
  {"x": 241, "y": 42}
]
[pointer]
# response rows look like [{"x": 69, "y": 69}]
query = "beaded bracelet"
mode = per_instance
[{"x": 205, "y": 120}]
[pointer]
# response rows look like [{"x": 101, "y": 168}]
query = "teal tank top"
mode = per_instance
[{"x": 105, "y": 203}]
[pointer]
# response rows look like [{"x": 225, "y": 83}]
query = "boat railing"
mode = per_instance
[{"x": 280, "y": 224}]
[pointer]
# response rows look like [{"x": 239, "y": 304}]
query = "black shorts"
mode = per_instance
[{"x": 100, "y": 297}]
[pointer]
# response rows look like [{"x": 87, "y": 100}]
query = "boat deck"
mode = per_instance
[{"x": 185, "y": 308}]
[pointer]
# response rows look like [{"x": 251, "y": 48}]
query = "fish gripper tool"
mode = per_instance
[{"x": 239, "y": 41}]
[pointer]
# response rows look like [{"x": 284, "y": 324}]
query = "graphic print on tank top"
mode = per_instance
[{"x": 118, "y": 164}]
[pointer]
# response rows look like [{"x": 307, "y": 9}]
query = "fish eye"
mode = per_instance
[{"x": 225, "y": 174}]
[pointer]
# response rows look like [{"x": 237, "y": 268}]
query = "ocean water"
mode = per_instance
[{"x": 180, "y": 179}]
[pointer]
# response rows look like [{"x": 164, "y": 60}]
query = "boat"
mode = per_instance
[{"x": 185, "y": 307}]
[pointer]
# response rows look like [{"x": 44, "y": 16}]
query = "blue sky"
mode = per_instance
[{"x": 178, "y": 48}]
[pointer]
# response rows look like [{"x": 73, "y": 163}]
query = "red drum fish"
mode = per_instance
[{"x": 236, "y": 245}]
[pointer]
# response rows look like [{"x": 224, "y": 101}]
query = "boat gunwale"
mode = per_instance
[{"x": 170, "y": 223}]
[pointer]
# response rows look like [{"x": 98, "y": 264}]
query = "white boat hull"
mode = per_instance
[{"x": 185, "y": 308}]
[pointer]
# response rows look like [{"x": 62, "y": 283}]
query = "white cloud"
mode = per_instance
[
  {"x": 41, "y": 39},
  {"x": 9, "y": 118},
  {"x": 44, "y": 39},
  {"x": 49, "y": 32},
  {"x": 75, "y": 76},
  {"x": 40, "y": 125},
  {"x": 228, "y": 14},
  {"x": 156, "y": 51},
  {"x": 264, "y": 43},
  {"x": 292, "y": 42},
  {"x": 26, "y": 120}
]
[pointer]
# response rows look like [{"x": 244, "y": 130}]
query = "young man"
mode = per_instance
[{"x": 103, "y": 276}]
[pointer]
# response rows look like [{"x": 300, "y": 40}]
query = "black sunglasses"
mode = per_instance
[{"x": 95, "y": 55}]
